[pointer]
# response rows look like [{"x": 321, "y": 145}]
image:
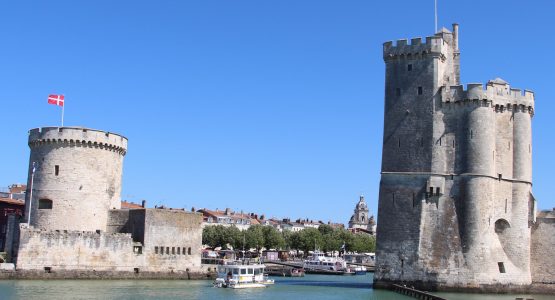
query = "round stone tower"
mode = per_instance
[{"x": 77, "y": 177}]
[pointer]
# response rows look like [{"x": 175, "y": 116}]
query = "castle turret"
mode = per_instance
[{"x": 77, "y": 177}]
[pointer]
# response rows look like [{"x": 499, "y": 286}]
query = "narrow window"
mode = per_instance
[
  {"x": 453, "y": 143},
  {"x": 471, "y": 134},
  {"x": 499, "y": 176},
  {"x": 45, "y": 204},
  {"x": 440, "y": 141},
  {"x": 156, "y": 250},
  {"x": 393, "y": 198},
  {"x": 437, "y": 191},
  {"x": 178, "y": 250},
  {"x": 184, "y": 251},
  {"x": 419, "y": 90},
  {"x": 136, "y": 270},
  {"x": 167, "y": 250},
  {"x": 431, "y": 191},
  {"x": 189, "y": 251},
  {"x": 47, "y": 269},
  {"x": 173, "y": 250},
  {"x": 501, "y": 267},
  {"x": 413, "y": 200},
  {"x": 409, "y": 67},
  {"x": 398, "y": 91},
  {"x": 56, "y": 170},
  {"x": 505, "y": 205}
]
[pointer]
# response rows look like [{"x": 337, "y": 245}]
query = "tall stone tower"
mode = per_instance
[
  {"x": 455, "y": 204},
  {"x": 77, "y": 177}
]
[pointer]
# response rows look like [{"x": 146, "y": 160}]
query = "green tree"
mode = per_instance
[
  {"x": 255, "y": 237},
  {"x": 272, "y": 238},
  {"x": 311, "y": 239}
]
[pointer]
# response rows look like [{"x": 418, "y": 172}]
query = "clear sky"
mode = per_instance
[{"x": 272, "y": 107}]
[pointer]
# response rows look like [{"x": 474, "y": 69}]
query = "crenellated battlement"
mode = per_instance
[
  {"x": 78, "y": 136},
  {"x": 437, "y": 45},
  {"x": 496, "y": 93},
  {"x": 432, "y": 45}
]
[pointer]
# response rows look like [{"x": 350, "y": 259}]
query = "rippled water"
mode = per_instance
[{"x": 309, "y": 287}]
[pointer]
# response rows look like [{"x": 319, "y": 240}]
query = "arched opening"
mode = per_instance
[
  {"x": 45, "y": 204},
  {"x": 501, "y": 225}
]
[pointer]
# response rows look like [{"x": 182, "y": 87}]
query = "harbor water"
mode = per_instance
[{"x": 308, "y": 287}]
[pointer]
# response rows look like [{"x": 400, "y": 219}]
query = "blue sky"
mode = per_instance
[{"x": 273, "y": 107}]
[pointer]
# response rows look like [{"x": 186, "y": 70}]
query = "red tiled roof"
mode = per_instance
[
  {"x": 130, "y": 205},
  {"x": 12, "y": 201}
]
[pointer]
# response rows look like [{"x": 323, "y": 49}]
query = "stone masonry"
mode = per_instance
[
  {"x": 455, "y": 205},
  {"x": 77, "y": 228}
]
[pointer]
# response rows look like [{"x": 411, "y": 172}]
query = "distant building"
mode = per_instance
[
  {"x": 228, "y": 217},
  {"x": 361, "y": 221},
  {"x": 8, "y": 207}
]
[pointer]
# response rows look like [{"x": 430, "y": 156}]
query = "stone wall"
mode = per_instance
[
  {"x": 75, "y": 250},
  {"x": 542, "y": 249}
]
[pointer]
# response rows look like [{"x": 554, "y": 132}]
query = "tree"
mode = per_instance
[
  {"x": 255, "y": 237},
  {"x": 272, "y": 238},
  {"x": 311, "y": 239}
]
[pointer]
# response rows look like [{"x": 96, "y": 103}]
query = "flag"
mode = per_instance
[{"x": 56, "y": 100}]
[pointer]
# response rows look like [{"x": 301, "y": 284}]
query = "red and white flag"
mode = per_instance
[{"x": 56, "y": 100}]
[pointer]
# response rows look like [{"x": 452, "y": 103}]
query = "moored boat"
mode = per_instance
[
  {"x": 318, "y": 263},
  {"x": 239, "y": 276}
]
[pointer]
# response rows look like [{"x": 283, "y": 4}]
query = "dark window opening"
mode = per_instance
[
  {"x": 136, "y": 270},
  {"x": 56, "y": 170},
  {"x": 409, "y": 67},
  {"x": 189, "y": 251},
  {"x": 431, "y": 191},
  {"x": 184, "y": 251},
  {"x": 413, "y": 200},
  {"x": 47, "y": 269},
  {"x": 45, "y": 204},
  {"x": 499, "y": 176},
  {"x": 173, "y": 250},
  {"x": 505, "y": 205},
  {"x": 471, "y": 134},
  {"x": 501, "y": 267},
  {"x": 398, "y": 91},
  {"x": 161, "y": 250},
  {"x": 167, "y": 250},
  {"x": 419, "y": 90},
  {"x": 437, "y": 191},
  {"x": 453, "y": 143},
  {"x": 138, "y": 250},
  {"x": 156, "y": 250},
  {"x": 178, "y": 250}
]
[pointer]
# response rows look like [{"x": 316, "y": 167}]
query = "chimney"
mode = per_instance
[{"x": 143, "y": 203}]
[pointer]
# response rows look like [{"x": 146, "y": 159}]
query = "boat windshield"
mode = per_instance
[
  {"x": 235, "y": 271},
  {"x": 250, "y": 270},
  {"x": 257, "y": 271},
  {"x": 243, "y": 271}
]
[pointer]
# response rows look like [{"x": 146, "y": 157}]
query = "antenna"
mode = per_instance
[{"x": 435, "y": 14}]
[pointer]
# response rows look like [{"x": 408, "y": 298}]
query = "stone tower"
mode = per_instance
[
  {"x": 77, "y": 177},
  {"x": 455, "y": 204},
  {"x": 360, "y": 217}
]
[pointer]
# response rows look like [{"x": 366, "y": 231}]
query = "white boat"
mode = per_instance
[
  {"x": 360, "y": 270},
  {"x": 319, "y": 262},
  {"x": 239, "y": 276}
]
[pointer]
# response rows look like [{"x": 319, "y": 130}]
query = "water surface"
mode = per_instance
[{"x": 308, "y": 287}]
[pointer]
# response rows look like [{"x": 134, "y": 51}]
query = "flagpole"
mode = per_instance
[
  {"x": 435, "y": 14},
  {"x": 63, "y": 106}
]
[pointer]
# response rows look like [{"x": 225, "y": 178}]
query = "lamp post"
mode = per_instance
[{"x": 31, "y": 194}]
